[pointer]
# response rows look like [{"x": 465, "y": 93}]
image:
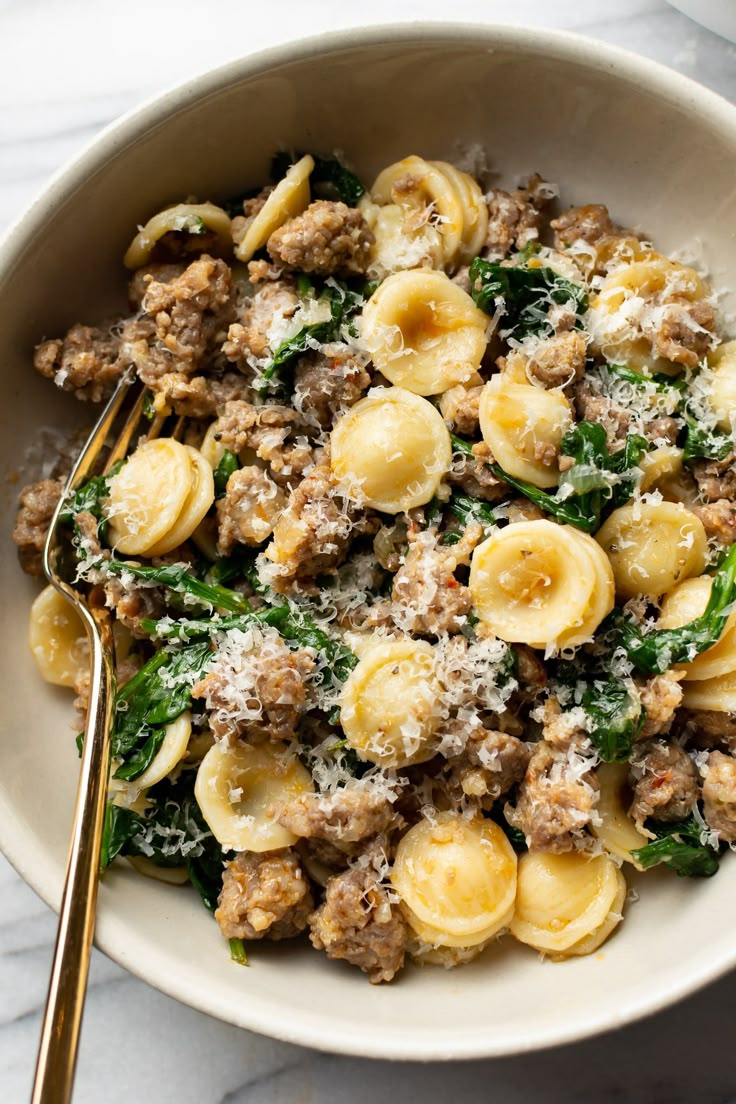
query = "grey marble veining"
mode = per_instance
[{"x": 67, "y": 68}]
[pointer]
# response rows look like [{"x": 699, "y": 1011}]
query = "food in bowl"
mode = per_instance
[{"x": 423, "y": 578}]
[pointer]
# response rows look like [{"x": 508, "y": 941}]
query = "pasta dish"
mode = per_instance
[{"x": 423, "y": 580}]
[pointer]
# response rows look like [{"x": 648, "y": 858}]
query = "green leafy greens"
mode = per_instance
[
  {"x": 655, "y": 651},
  {"x": 153, "y": 698},
  {"x": 524, "y": 296},
  {"x": 328, "y": 175},
  {"x": 679, "y": 846},
  {"x": 179, "y": 579},
  {"x": 343, "y": 303},
  {"x": 228, "y": 464}
]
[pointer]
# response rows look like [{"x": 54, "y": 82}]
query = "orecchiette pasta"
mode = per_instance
[
  {"x": 239, "y": 788},
  {"x": 390, "y": 704},
  {"x": 716, "y": 694},
  {"x": 684, "y": 604},
  {"x": 523, "y": 426},
  {"x": 723, "y": 385},
  {"x": 171, "y": 875},
  {"x": 423, "y": 332},
  {"x": 197, "y": 503},
  {"x": 172, "y": 751},
  {"x": 475, "y": 210},
  {"x": 563, "y": 900},
  {"x": 652, "y": 546},
  {"x": 541, "y": 584},
  {"x": 422, "y": 188},
  {"x": 659, "y": 467},
  {"x": 456, "y": 879},
  {"x": 58, "y": 638},
  {"x": 615, "y": 828},
  {"x": 630, "y": 304},
  {"x": 289, "y": 198},
  {"x": 184, "y": 218},
  {"x": 391, "y": 450},
  {"x": 158, "y": 498}
]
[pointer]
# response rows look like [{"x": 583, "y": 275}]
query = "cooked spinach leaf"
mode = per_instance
[
  {"x": 704, "y": 442},
  {"x": 524, "y": 295},
  {"x": 679, "y": 847},
  {"x": 153, "y": 698},
  {"x": 228, "y": 464},
  {"x": 179, "y": 579},
  {"x": 618, "y": 716},
  {"x": 343, "y": 303},
  {"x": 654, "y": 651}
]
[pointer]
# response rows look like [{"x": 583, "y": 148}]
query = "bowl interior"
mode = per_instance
[{"x": 606, "y": 128}]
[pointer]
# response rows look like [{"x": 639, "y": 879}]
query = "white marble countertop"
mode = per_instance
[{"x": 68, "y": 67}]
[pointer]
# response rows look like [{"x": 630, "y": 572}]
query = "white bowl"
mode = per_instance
[{"x": 609, "y": 127}]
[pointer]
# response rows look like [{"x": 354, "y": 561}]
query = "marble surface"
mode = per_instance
[{"x": 68, "y": 67}]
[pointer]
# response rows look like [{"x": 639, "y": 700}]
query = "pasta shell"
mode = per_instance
[
  {"x": 522, "y": 424},
  {"x": 289, "y": 198},
  {"x": 723, "y": 385},
  {"x": 390, "y": 704},
  {"x": 147, "y": 495},
  {"x": 391, "y": 450},
  {"x": 652, "y": 546},
  {"x": 456, "y": 879},
  {"x": 540, "y": 583},
  {"x": 197, "y": 503},
  {"x": 423, "y": 332},
  {"x": 58, "y": 638},
  {"x": 564, "y": 899},
  {"x": 184, "y": 217},
  {"x": 616, "y": 829},
  {"x": 682, "y": 605},
  {"x": 239, "y": 788}
]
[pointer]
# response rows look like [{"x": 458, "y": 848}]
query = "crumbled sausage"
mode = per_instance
[
  {"x": 427, "y": 597},
  {"x": 719, "y": 519},
  {"x": 36, "y": 507},
  {"x": 249, "y": 338},
  {"x": 661, "y": 431},
  {"x": 664, "y": 782},
  {"x": 142, "y": 277},
  {"x": 249, "y": 509},
  {"x": 594, "y": 407},
  {"x": 708, "y": 728},
  {"x": 530, "y": 670},
  {"x": 325, "y": 386},
  {"x": 589, "y": 224},
  {"x": 514, "y": 218},
  {"x": 180, "y": 327},
  {"x": 660, "y": 697},
  {"x": 133, "y": 603},
  {"x": 490, "y": 764},
  {"x": 275, "y": 433},
  {"x": 460, "y": 407},
  {"x": 345, "y": 816},
  {"x": 264, "y": 896},
  {"x": 190, "y": 311},
  {"x": 329, "y": 239},
  {"x": 685, "y": 331},
  {"x": 719, "y": 795},
  {"x": 87, "y": 361},
  {"x": 473, "y": 474},
  {"x": 559, "y": 360},
  {"x": 716, "y": 479},
  {"x": 359, "y": 923},
  {"x": 556, "y": 798},
  {"x": 198, "y": 396},
  {"x": 314, "y": 532},
  {"x": 259, "y": 693}
]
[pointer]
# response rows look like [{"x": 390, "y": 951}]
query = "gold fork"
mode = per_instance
[{"x": 62, "y": 1019}]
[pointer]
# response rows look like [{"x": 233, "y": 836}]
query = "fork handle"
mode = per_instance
[{"x": 62, "y": 1019}]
